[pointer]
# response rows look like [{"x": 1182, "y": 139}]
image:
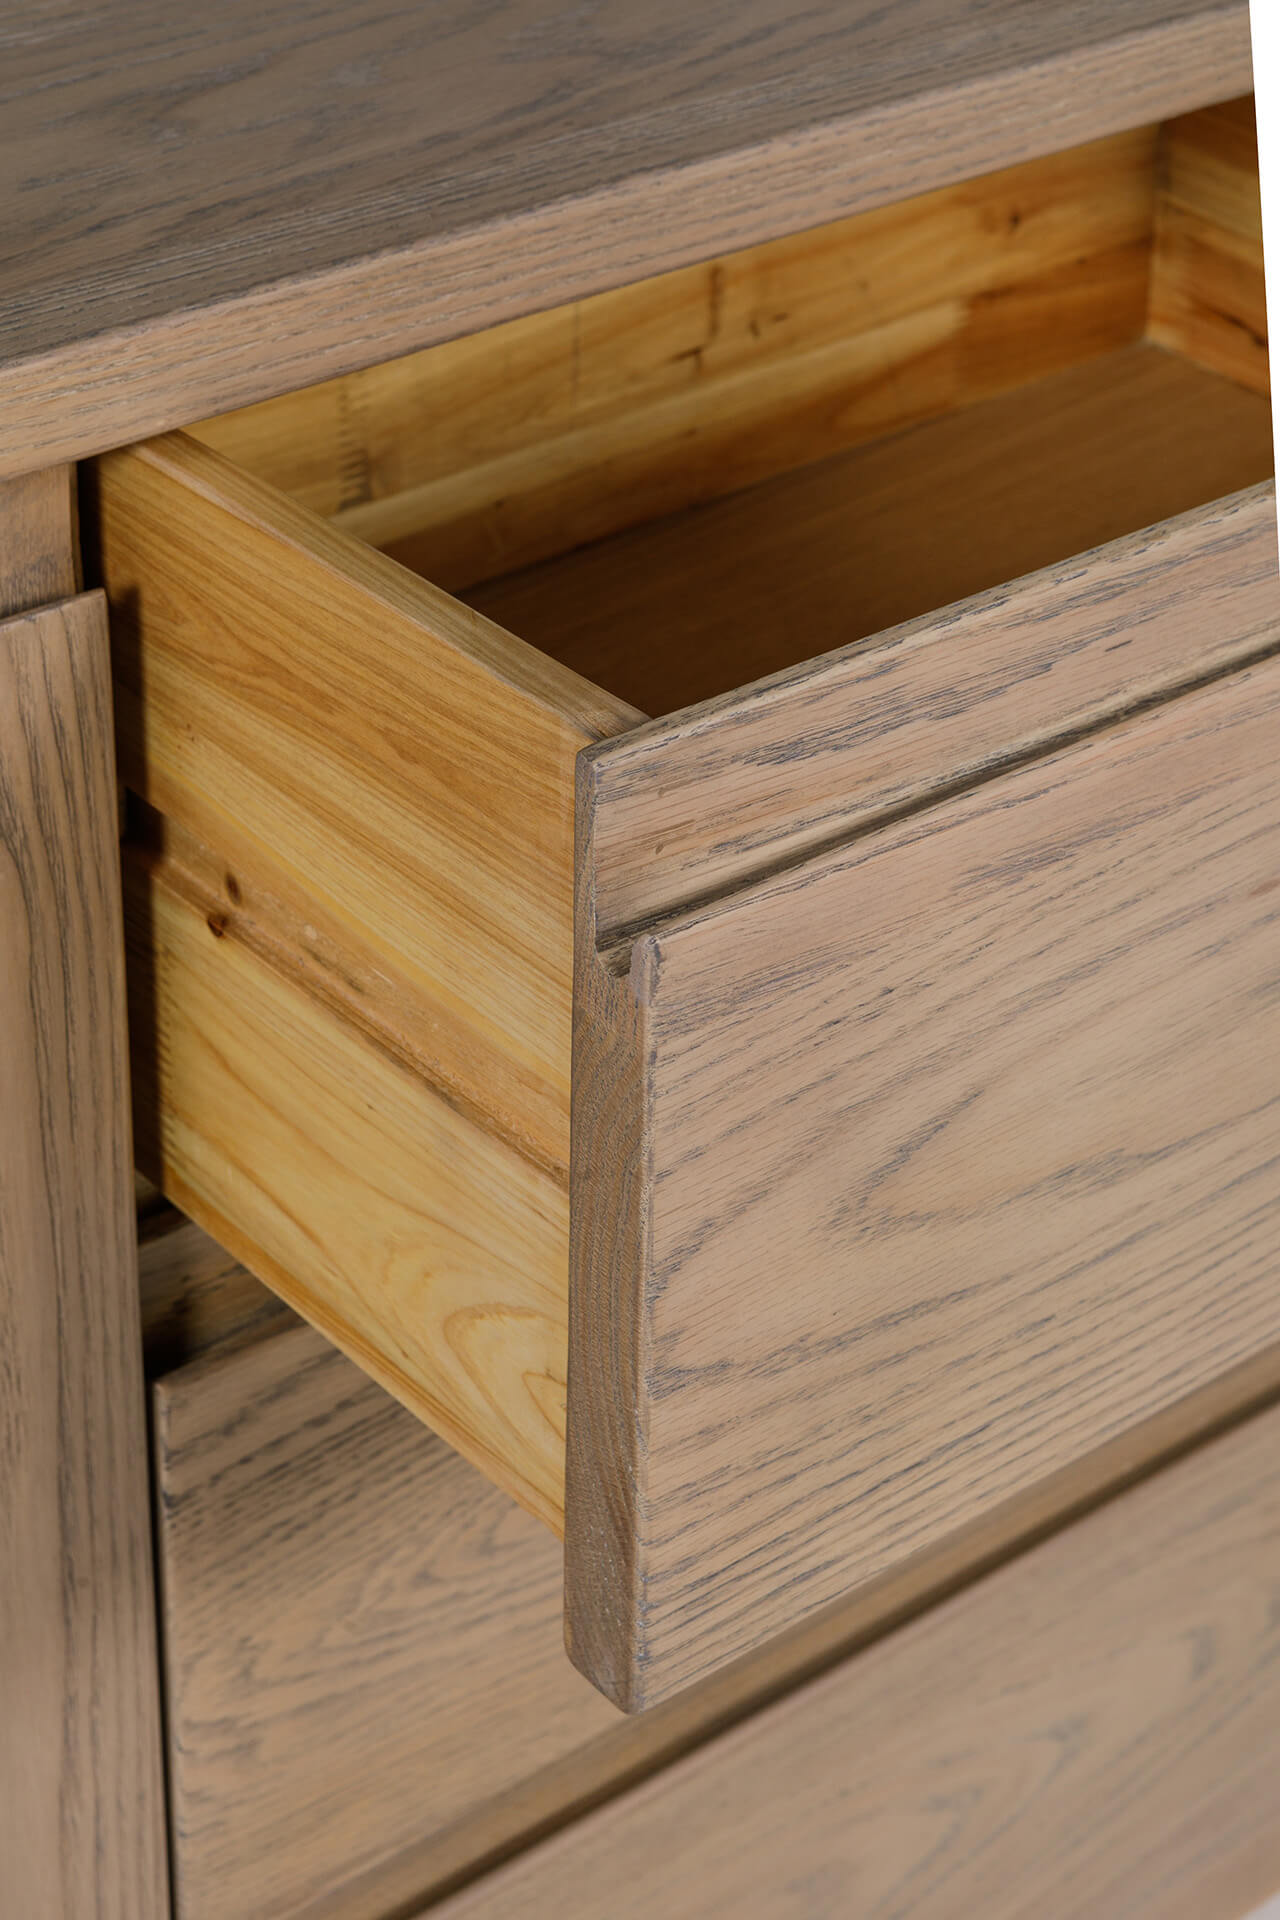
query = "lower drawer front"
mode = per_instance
[
  {"x": 366, "y": 1682},
  {"x": 363, "y": 1644},
  {"x": 1092, "y": 1730},
  {"x": 368, "y": 1699}
]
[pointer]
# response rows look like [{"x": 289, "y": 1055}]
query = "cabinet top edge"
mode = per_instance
[{"x": 204, "y": 211}]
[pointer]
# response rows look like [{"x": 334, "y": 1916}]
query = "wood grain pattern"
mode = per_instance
[
  {"x": 406, "y": 1713},
  {"x": 352, "y": 956},
  {"x": 81, "y": 1794},
  {"x": 1095, "y": 1729},
  {"x": 419, "y": 1241},
  {"x": 39, "y": 541},
  {"x": 965, "y": 1129},
  {"x": 1207, "y": 296},
  {"x": 692, "y": 805},
  {"x": 362, "y": 1638},
  {"x": 488, "y": 453},
  {"x": 696, "y": 605},
  {"x": 270, "y": 195},
  {"x": 384, "y": 776}
]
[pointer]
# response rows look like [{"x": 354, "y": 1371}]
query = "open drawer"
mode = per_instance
[{"x": 925, "y": 1039}]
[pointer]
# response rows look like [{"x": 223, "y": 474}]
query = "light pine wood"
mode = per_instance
[
  {"x": 383, "y": 776},
  {"x": 408, "y": 1714},
  {"x": 700, "y": 603},
  {"x": 39, "y": 540},
  {"x": 489, "y": 452},
  {"x": 1095, "y": 1729},
  {"x": 351, "y": 998},
  {"x": 81, "y": 1795},
  {"x": 351, "y": 189},
  {"x": 1207, "y": 294},
  {"x": 418, "y": 1240},
  {"x": 911, "y": 1172}
]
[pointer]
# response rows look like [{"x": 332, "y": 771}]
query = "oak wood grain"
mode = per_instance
[
  {"x": 490, "y": 452},
  {"x": 407, "y": 1714},
  {"x": 695, "y": 804},
  {"x": 1094, "y": 1729},
  {"x": 39, "y": 540},
  {"x": 210, "y": 209},
  {"x": 965, "y": 1130},
  {"x": 81, "y": 1793},
  {"x": 362, "y": 1638},
  {"x": 1207, "y": 296},
  {"x": 698, "y": 604}
]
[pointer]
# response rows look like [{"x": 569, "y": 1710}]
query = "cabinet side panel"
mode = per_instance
[{"x": 81, "y": 1794}]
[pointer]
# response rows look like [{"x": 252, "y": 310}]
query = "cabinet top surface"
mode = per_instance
[{"x": 204, "y": 206}]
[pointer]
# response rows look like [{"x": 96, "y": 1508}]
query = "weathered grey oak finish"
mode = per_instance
[
  {"x": 911, "y": 1172},
  {"x": 350, "y": 911},
  {"x": 362, "y": 1638},
  {"x": 260, "y": 196},
  {"x": 692, "y": 805},
  {"x": 1095, "y": 1729},
  {"x": 406, "y": 1712},
  {"x": 39, "y": 541},
  {"x": 81, "y": 1803}
]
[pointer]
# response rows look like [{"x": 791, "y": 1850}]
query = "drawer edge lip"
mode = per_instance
[{"x": 760, "y": 743}]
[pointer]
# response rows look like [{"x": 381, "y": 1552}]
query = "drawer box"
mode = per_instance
[{"x": 922, "y": 1037}]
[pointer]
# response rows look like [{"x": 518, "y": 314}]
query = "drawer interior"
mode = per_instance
[
  {"x": 688, "y": 484},
  {"x": 362, "y": 633}
]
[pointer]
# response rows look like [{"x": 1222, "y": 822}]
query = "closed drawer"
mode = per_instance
[
  {"x": 923, "y": 1040},
  {"x": 1094, "y": 1729},
  {"x": 366, "y": 1688}
]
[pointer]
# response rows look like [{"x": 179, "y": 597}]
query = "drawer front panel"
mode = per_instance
[
  {"x": 363, "y": 1642},
  {"x": 951, "y": 1156},
  {"x": 1094, "y": 1729},
  {"x": 696, "y": 805}
]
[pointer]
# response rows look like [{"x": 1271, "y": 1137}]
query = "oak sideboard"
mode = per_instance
[{"x": 639, "y": 963}]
